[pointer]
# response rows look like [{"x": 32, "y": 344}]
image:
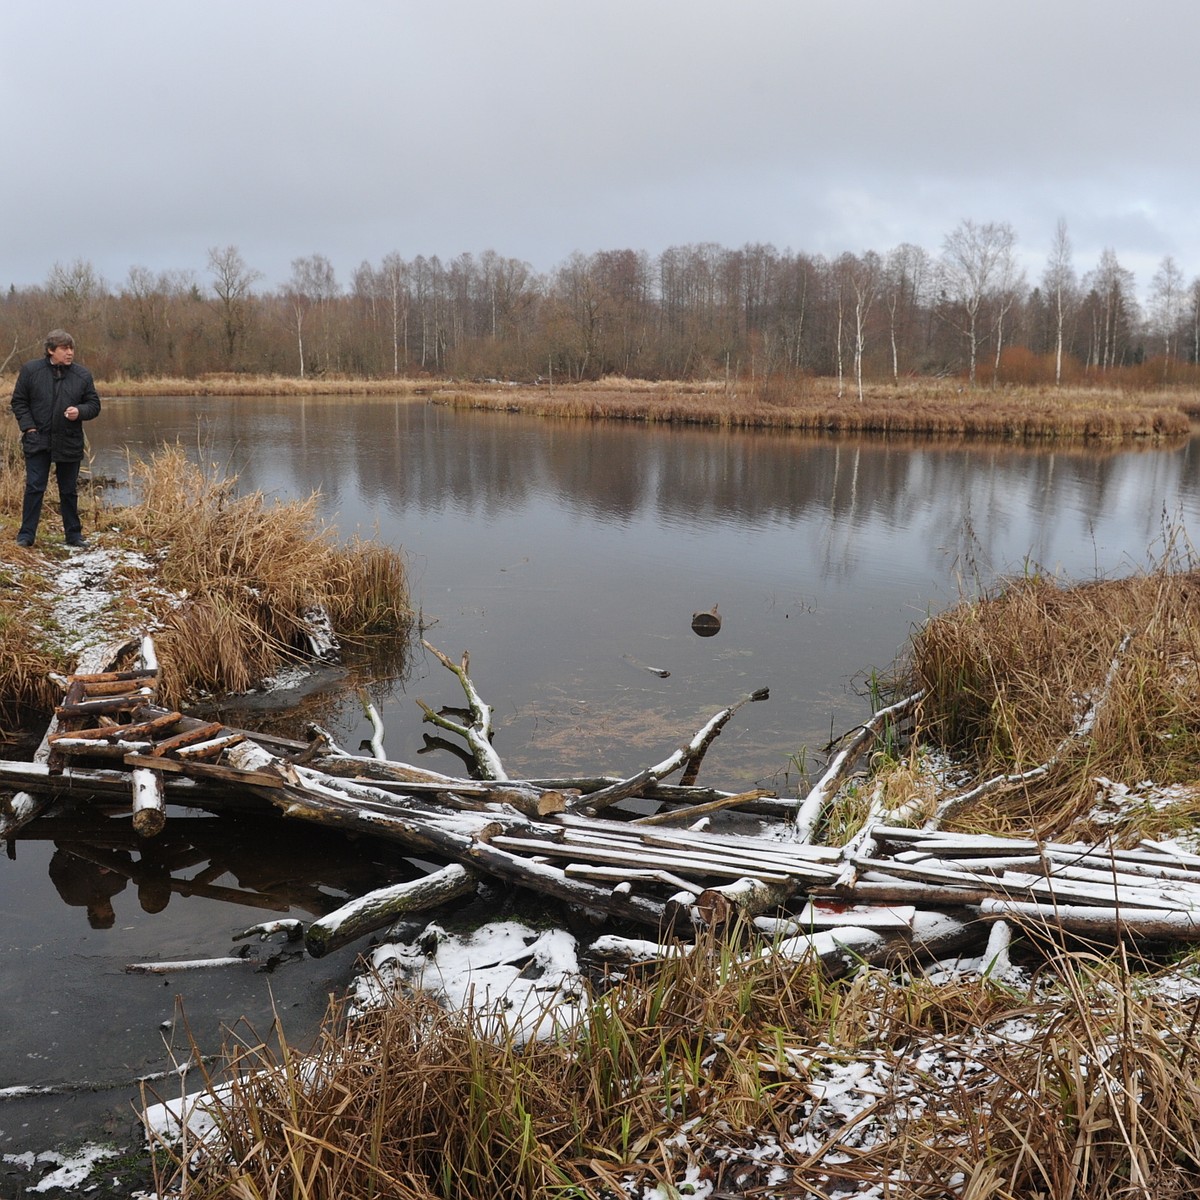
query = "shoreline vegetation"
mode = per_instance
[{"x": 919, "y": 406}]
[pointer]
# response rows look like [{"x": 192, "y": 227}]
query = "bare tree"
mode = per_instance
[
  {"x": 1061, "y": 287},
  {"x": 1113, "y": 311},
  {"x": 232, "y": 282},
  {"x": 973, "y": 257},
  {"x": 863, "y": 276},
  {"x": 77, "y": 291},
  {"x": 1009, "y": 288},
  {"x": 1166, "y": 304},
  {"x": 905, "y": 280},
  {"x": 313, "y": 285},
  {"x": 1194, "y": 300}
]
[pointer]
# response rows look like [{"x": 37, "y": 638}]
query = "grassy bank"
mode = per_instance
[
  {"x": 707, "y": 1076},
  {"x": 228, "y": 585},
  {"x": 1101, "y": 680}
]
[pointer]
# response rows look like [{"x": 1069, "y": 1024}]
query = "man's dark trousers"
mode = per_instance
[{"x": 37, "y": 476}]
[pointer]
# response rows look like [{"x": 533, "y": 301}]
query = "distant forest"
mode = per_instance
[{"x": 692, "y": 311}]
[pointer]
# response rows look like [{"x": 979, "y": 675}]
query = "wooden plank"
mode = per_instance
[
  {"x": 91, "y": 748},
  {"x": 110, "y": 706},
  {"x": 117, "y": 687},
  {"x": 113, "y": 731},
  {"x": 696, "y": 862},
  {"x": 115, "y": 676}
]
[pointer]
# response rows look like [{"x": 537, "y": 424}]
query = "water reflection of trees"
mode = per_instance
[{"x": 417, "y": 459}]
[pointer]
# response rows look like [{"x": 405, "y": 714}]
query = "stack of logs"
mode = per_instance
[{"x": 890, "y": 889}]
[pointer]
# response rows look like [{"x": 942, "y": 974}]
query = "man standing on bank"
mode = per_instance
[{"x": 52, "y": 399}]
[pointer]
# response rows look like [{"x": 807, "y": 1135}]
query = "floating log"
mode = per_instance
[{"x": 706, "y": 624}]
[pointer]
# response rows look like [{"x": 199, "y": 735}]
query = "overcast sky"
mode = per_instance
[{"x": 145, "y": 133}]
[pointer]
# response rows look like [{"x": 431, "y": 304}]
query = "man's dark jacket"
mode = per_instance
[{"x": 42, "y": 394}]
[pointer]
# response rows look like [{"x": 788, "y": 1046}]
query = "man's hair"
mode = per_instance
[{"x": 56, "y": 338}]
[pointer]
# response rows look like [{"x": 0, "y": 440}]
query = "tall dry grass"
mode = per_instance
[
  {"x": 1011, "y": 679},
  {"x": 715, "y": 1063},
  {"x": 239, "y": 576}
]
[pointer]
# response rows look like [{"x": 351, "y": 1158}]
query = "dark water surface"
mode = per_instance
[{"x": 566, "y": 558}]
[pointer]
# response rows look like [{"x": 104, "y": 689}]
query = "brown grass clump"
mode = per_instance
[
  {"x": 25, "y": 665},
  {"x": 1012, "y": 678},
  {"x": 245, "y": 574}
]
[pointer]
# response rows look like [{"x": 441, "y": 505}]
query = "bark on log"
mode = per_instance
[
  {"x": 1097, "y": 920},
  {"x": 745, "y": 899},
  {"x": 840, "y": 952}
]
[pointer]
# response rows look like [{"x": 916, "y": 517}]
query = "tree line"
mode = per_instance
[{"x": 691, "y": 311}]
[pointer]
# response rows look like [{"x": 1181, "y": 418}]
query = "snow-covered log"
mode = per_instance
[{"x": 381, "y": 908}]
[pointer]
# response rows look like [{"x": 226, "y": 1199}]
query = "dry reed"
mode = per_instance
[
  {"x": 1012, "y": 680},
  {"x": 234, "y": 384},
  {"x": 231, "y": 591},
  {"x": 242, "y": 576}
]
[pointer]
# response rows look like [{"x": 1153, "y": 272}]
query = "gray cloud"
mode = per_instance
[{"x": 144, "y": 133}]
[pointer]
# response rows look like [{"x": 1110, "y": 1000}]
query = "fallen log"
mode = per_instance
[
  {"x": 381, "y": 908},
  {"x": 841, "y": 951},
  {"x": 476, "y": 729}
]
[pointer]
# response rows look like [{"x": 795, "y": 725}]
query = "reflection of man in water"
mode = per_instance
[{"x": 87, "y": 885}]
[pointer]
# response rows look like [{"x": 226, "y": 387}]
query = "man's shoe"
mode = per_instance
[
  {"x": 77, "y": 541},
  {"x": 24, "y": 541}
]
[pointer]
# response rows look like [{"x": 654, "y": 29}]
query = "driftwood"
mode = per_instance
[{"x": 24, "y": 806}]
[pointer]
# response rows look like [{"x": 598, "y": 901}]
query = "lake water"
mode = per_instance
[{"x": 566, "y": 558}]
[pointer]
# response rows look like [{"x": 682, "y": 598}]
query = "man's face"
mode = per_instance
[{"x": 62, "y": 356}]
